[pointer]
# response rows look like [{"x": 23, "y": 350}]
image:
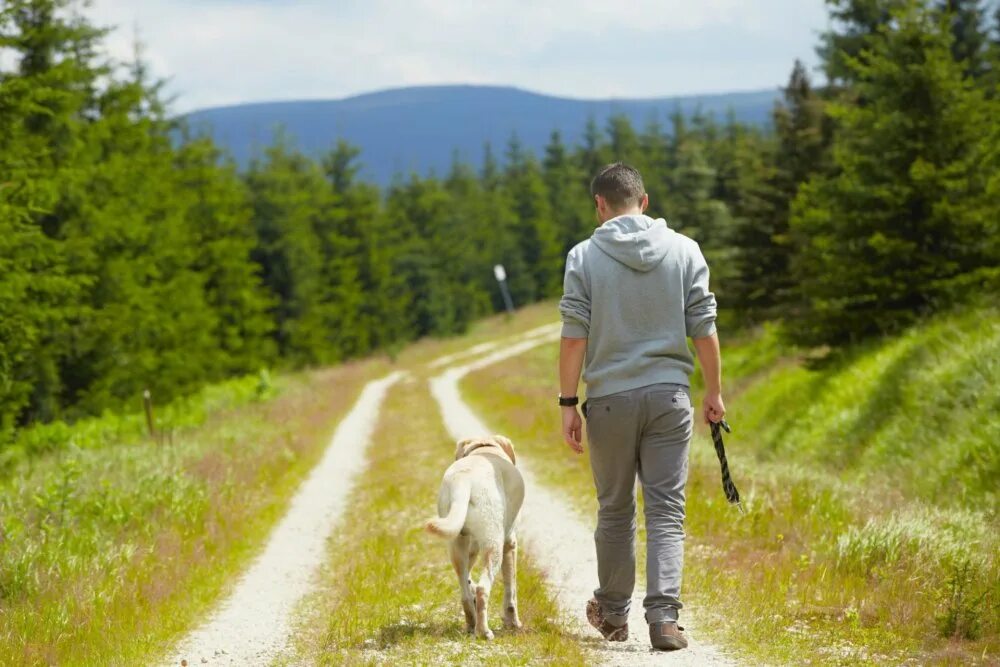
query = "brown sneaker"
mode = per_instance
[
  {"x": 613, "y": 633},
  {"x": 667, "y": 636}
]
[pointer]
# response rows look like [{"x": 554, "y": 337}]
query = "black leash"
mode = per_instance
[{"x": 732, "y": 495}]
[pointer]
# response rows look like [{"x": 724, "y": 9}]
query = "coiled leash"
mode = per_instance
[{"x": 732, "y": 495}]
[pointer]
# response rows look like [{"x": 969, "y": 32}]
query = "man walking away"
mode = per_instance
[{"x": 634, "y": 293}]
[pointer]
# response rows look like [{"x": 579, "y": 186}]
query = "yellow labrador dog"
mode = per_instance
[{"x": 479, "y": 500}]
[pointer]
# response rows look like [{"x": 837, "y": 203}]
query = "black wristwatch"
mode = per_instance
[{"x": 568, "y": 401}]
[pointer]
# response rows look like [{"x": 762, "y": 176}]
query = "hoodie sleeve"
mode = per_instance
[
  {"x": 574, "y": 307},
  {"x": 699, "y": 303}
]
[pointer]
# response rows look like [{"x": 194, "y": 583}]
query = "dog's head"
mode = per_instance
[{"x": 467, "y": 445}]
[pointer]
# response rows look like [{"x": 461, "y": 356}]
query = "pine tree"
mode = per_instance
[
  {"x": 146, "y": 319},
  {"x": 501, "y": 222},
  {"x": 593, "y": 153},
  {"x": 679, "y": 134},
  {"x": 763, "y": 286},
  {"x": 44, "y": 102},
  {"x": 377, "y": 293},
  {"x": 991, "y": 78},
  {"x": 415, "y": 208},
  {"x": 340, "y": 233},
  {"x": 655, "y": 166},
  {"x": 691, "y": 204},
  {"x": 623, "y": 141},
  {"x": 536, "y": 234},
  {"x": 35, "y": 298},
  {"x": 472, "y": 243},
  {"x": 969, "y": 34},
  {"x": 744, "y": 162},
  {"x": 290, "y": 196},
  {"x": 569, "y": 199},
  {"x": 29, "y": 303},
  {"x": 219, "y": 216},
  {"x": 908, "y": 218},
  {"x": 857, "y": 23},
  {"x": 489, "y": 173}
]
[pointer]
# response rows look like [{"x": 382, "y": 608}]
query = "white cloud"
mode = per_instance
[{"x": 230, "y": 51}]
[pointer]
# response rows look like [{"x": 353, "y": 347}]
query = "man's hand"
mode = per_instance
[
  {"x": 712, "y": 407},
  {"x": 572, "y": 428}
]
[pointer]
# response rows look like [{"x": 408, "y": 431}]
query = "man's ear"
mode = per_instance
[{"x": 645, "y": 203}]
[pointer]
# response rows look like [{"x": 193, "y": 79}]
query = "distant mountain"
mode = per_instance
[{"x": 420, "y": 129}]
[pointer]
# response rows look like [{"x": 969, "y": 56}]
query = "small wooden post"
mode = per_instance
[{"x": 147, "y": 404}]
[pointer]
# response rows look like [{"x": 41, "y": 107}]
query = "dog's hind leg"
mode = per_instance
[
  {"x": 461, "y": 561},
  {"x": 492, "y": 555},
  {"x": 509, "y": 567}
]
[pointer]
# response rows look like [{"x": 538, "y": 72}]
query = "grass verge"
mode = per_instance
[
  {"x": 387, "y": 593},
  {"x": 109, "y": 553}
]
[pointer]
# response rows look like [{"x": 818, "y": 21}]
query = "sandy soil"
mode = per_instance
[
  {"x": 251, "y": 626},
  {"x": 562, "y": 545}
]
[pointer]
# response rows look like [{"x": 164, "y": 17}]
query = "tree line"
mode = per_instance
[{"x": 134, "y": 254}]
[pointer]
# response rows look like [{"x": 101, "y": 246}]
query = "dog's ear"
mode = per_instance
[
  {"x": 507, "y": 446},
  {"x": 460, "y": 447}
]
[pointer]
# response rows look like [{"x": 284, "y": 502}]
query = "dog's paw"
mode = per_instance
[
  {"x": 513, "y": 623},
  {"x": 486, "y": 634}
]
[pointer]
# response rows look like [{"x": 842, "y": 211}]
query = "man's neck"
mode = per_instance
[{"x": 617, "y": 214}]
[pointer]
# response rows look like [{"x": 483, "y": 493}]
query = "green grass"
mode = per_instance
[
  {"x": 387, "y": 594},
  {"x": 914, "y": 415},
  {"x": 113, "y": 545},
  {"x": 112, "y": 428},
  {"x": 871, "y": 483},
  {"x": 109, "y": 552}
]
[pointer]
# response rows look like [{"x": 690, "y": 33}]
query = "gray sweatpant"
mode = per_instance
[{"x": 645, "y": 431}]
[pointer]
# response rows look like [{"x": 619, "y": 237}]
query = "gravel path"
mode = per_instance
[
  {"x": 562, "y": 545},
  {"x": 483, "y": 348},
  {"x": 251, "y": 626}
]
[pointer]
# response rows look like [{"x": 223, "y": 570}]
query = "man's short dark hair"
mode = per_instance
[{"x": 620, "y": 184}]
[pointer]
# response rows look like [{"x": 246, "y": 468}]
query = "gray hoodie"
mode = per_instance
[{"x": 636, "y": 290}]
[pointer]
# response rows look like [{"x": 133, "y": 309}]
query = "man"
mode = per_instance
[{"x": 633, "y": 293}]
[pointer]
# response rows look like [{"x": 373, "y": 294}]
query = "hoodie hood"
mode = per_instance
[{"x": 637, "y": 241}]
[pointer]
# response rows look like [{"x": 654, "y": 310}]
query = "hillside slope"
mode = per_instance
[{"x": 914, "y": 414}]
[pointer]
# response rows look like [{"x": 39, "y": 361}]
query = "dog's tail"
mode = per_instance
[{"x": 451, "y": 525}]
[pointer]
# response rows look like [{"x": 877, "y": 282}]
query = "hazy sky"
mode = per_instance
[{"x": 219, "y": 52}]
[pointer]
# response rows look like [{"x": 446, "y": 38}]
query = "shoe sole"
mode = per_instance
[
  {"x": 670, "y": 645},
  {"x": 593, "y": 617}
]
